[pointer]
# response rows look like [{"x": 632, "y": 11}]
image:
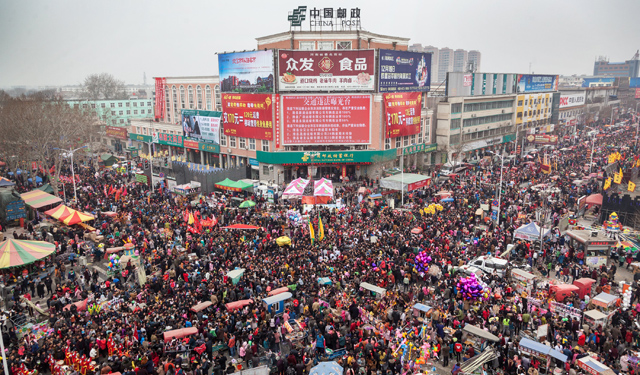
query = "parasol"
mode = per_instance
[
  {"x": 77, "y": 217},
  {"x": 61, "y": 212},
  {"x": 247, "y": 204},
  {"x": 284, "y": 240},
  {"x": 15, "y": 253}
]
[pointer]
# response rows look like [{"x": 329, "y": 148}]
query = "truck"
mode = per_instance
[{"x": 11, "y": 206}]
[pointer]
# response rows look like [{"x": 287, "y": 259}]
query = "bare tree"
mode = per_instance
[
  {"x": 455, "y": 150},
  {"x": 103, "y": 86}
]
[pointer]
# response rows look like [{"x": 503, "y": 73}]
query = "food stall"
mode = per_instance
[
  {"x": 275, "y": 304},
  {"x": 374, "y": 291},
  {"x": 421, "y": 311},
  {"x": 562, "y": 291},
  {"x": 593, "y": 367},
  {"x": 477, "y": 336},
  {"x": 524, "y": 280},
  {"x": 541, "y": 351},
  {"x": 565, "y": 310},
  {"x": 596, "y": 246},
  {"x": 595, "y": 318},
  {"x": 606, "y": 303},
  {"x": 584, "y": 284}
]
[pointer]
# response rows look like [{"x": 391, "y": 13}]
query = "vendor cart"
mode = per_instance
[
  {"x": 478, "y": 337},
  {"x": 543, "y": 352},
  {"x": 593, "y": 367},
  {"x": 275, "y": 304},
  {"x": 595, "y": 318},
  {"x": 374, "y": 291},
  {"x": 296, "y": 333},
  {"x": 562, "y": 291},
  {"x": 524, "y": 280},
  {"x": 584, "y": 284},
  {"x": 606, "y": 303},
  {"x": 421, "y": 311}
]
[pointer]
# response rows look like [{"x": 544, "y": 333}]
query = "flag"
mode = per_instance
[
  {"x": 632, "y": 186},
  {"x": 214, "y": 221},
  {"x": 312, "y": 234},
  {"x": 607, "y": 183},
  {"x": 191, "y": 219},
  {"x": 105, "y": 190},
  {"x": 196, "y": 222},
  {"x": 320, "y": 229},
  {"x": 135, "y": 333},
  {"x": 186, "y": 216},
  {"x": 617, "y": 178},
  {"x": 111, "y": 189},
  {"x": 124, "y": 192}
]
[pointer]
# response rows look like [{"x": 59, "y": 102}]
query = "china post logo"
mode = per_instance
[{"x": 297, "y": 16}]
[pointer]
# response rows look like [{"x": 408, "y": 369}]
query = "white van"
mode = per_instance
[{"x": 488, "y": 264}]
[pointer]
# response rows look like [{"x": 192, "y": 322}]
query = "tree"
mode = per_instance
[{"x": 103, "y": 86}]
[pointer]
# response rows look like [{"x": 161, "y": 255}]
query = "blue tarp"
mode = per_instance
[
  {"x": 421, "y": 307},
  {"x": 542, "y": 348},
  {"x": 324, "y": 281}
]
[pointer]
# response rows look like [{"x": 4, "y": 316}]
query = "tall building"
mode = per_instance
[
  {"x": 445, "y": 63},
  {"x": 435, "y": 53},
  {"x": 474, "y": 57},
  {"x": 629, "y": 68},
  {"x": 460, "y": 57}
]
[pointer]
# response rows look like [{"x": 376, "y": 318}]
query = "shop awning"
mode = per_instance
[
  {"x": 595, "y": 315},
  {"x": 228, "y": 184},
  {"x": 405, "y": 181},
  {"x": 38, "y": 198},
  {"x": 480, "y": 333},
  {"x": 528, "y": 345},
  {"x": 295, "y": 187}
]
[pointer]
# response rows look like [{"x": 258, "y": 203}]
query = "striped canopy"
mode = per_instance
[
  {"x": 76, "y": 217},
  {"x": 38, "y": 198},
  {"x": 60, "y": 212},
  {"x": 15, "y": 253}
]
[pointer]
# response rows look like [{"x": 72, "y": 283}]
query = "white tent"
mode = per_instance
[{"x": 529, "y": 232}]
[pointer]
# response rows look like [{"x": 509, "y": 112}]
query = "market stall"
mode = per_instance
[
  {"x": 421, "y": 311},
  {"x": 405, "y": 181},
  {"x": 374, "y": 291},
  {"x": 562, "y": 291},
  {"x": 530, "y": 232},
  {"x": 478, "y": 337},
  {"x": 543, "y": 352},
  {"x": 38, "y": 199},
  {"x": 191, "y": 188},
  {"x": 595, "y": 318},
  {"x": 593, "y": 367},
  {"x": 235, "y": 275},
  {"x": 606, "y": 303},
  {"x": 596, "y": 248},
  {"x": 584, "y": 284},
  {"x": 524, "y": 280},
  {"x": 275, "y": 304}
]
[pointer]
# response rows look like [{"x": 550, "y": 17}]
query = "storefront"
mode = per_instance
[
  {"x": 596, "y": 248},
  {"x": 177, "y": 147},
  {"x": 476, "y": 150}
]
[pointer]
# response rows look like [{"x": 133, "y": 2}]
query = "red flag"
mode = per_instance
[
  {"x": 111, "y": 189},
  {"x": 105, "y": 191},
  {"x": 197, "y": 222},
  {"x": 186, "y": 216},
  {"x": 124, "y": 192},
  {"x": 215, "y": 221},
  {"x": 135, "y": 333}
]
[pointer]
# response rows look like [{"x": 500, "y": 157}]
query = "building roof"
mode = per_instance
[{"x": 318, "y": 35}]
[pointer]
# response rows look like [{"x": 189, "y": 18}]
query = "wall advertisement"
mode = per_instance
[
  {"x": 572, "y": 100},
  {"x": 160, "y": 110},
  {"x": 348, "y": 70},
  {"x": 246, "y": 72},
  {"x": 402, "y": 113},
  {"x": 402, "y": 71},
  {"x": 543, "y": 139},
  {"x": 247, "y": 115},
  {"x": 170, "y": 139},
  {"x": 537, "y": 83},
  {"x": 326, "y": 119},
  {"x": 201, "y": 125},
  {"x": 116, "y": 132}
]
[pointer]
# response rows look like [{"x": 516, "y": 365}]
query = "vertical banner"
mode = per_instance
[
  {"x": 160, "y": 98},
  {"x": 402, "y": 113},
  {"x": 277, "y": 124},
  {"x": 484, "y": 84}
]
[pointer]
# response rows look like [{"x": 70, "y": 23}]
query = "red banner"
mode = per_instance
[
  {"x": 402, "y": 113},
  {"x": 419, "y": 184},
  {"x": 247, "y": 115},
  {"x": 160, "y": 109},
  {"x": 116, "y": 132},
  {"x": 277, "y": 124},
  {"x": 188, "y": 143},
  {"x": 637, "y": 93},
  {"x": 326, "y": 119}
]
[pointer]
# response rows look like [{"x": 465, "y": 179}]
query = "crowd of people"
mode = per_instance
[{"x": 121, "y": 326}]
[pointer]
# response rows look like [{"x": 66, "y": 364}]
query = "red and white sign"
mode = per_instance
[
  {"x": 326, "y": 119},
  {"x": 160, "y": 110},
  {"x": 247, "y": 115},
  {"x": 188, "y": 143},
  {"x": 116, "y": 132},
  {"x": 277, "y": 124},
  {"x": 467, "y": 79},
  {"x": 341, "y": 70},
  {"x": 572, "y": 100},
  {"x": 637, "y": 93},
  {"x": 419, "y": 184},
  {"x": 402, "y": 112}
]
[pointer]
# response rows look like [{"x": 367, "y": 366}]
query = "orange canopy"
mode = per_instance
[
  {"x": 278, "y": 291},
  {"x": 232, "y": 306},
  {"x": 179, "y": 333}
]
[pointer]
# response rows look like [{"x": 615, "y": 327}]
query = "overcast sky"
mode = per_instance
[{"x": 56, "y": 42}]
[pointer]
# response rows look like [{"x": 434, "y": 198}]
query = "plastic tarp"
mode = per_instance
[
  {"x": 402, "y": 181},
  {"x": 179, "y": 333},
  {"x": 324, "y": 281},
  {"x": 233, "y": 306},
  {"x": 296, "y": 187},
  {"x": 373, "y": 288},
  {"x": 277, "y": 298},
  {"x": 323, "y": 188},
  {"x": 38, "y": 198},
  {"x": 542, "y": 349},
  {"x": 421, "y": 307},
  {"x": 529, "y": 232},
  {"x": 480, "y": 333},
  {"x": 235, "y": 275},
  {"x": 201, "y": 306}
]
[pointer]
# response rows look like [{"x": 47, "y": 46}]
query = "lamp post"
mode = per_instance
[
  {"x": 73, "y": 174},
  {"x": 500, "y": 185}
]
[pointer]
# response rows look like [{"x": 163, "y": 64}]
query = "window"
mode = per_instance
[
  {"x": 325, "y": 45},
  {"x": 398, "y": 142},
  {"x": 120, "y": 105},
  {"x": 135, "y": 104},
  {"x": 190, "y": 89},
  {"x": 122, "y": 121},
  {"x": 182, "y": 96},
  {"x": 343, "y": 45},
  {"x": 519, "y": 103},
  {"x": 405, "y": 141},
  {"x": 144, "y": 131},
  {"x": 199, "y": 96},
  {"x": 413, "y": 139},
  {"x": 127, "y": 104},
  {"x": 112, "y": 105},
  {"x": 252, "y": 144},
  {"x": 455, "y": 123},
  {"x": 207, "y": 93},
  {"x": 135, "y": 111},
  {"x": 85, "y": 106},
  {"x": 265, "y": 146},
  {"x": 307, "y": 46},
  {"x": 216, "y": 90},
  {"x": 102, "y": 105},
  {"x": 113, "y": 113},
  {"x": 456, "y": 108},
  {"x": 526, "y": 102},
  {"x": 120, "y": 113},
  {"x": 142, "y": 111},
  {"x": 223, "y": 140},
  {"x": 387, "y": 144},
  {"x": 454, "y": 139},
  {"x": 486, "y": 119},
  {"x": 232, "y": 142},
  {"x": 243, "y": 143},
  {"x": 265, "y": 169},
  {"x": 148, "y": 104},
  {"x": 128, "y": 111}
]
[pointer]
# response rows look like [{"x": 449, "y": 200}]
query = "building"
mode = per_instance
[
  {"x": 445, "y": 63},
  {"x": 460, "y": 58},
  {"x": 435, "y": 53},
  {"x": 454, "y": 61},
  {"x": 572, "y": 110},
  {"x": 629, "y": 68},
  {"x": 474, "y": 59}
]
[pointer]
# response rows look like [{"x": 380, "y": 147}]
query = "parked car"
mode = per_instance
[{"x": 489, "y": 264}]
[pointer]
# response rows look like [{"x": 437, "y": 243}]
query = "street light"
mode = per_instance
[
  {"x": 499, "y": 186},
  {"x": 73, "y": 174}
]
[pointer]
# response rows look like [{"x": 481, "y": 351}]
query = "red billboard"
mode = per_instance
[
  {"x": 637, "y": 93},
  {"x": 247, "y": 115},
  {"x": 116, "y": 132},
  {"x": 160, "y": 109},
  {"x": 326, "y": 119},
  {"x": 402, "y": 113}
]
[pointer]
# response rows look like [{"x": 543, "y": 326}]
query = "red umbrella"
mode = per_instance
[{"x": 241, "y": 226}]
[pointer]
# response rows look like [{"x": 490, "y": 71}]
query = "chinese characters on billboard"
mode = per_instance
[
  {"x": 537, "y": 83},
  {"x": 572, "y": 100},
  {"x": 637, "y": 93},
  {"x": 402, "y": 71},
  {"x": 326, "y": 70},
  {"x": 247, "y": 115},
  {"x": 116, "y": 132},
  {"x": 402, "y": 113},
  {"x": 246, "y": 71},
  {"x": 160, "y": 109},
  {"x": 326, "y": 119},
  {"x": 203, "y": 125}
]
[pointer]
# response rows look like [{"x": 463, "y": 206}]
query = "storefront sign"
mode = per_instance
[
  {"x": 277, "y": 122},
  {"x": 419, "y": 184},
  {"x": 572, "y": 100},
  {"x": 543, "y": 139},
  {"x": 402, "y": 112},
  {"x": 537, "y": 83},
  {"x": 247, "y": 115},
  {"x": 326, "y": 119},
  {"x": 190, "y": 143},
  {"x": 334, "y": 157},
  {"x": 254, "y": 162},
  {"x": 419, "y": 148},
  {"x": 467, "y": 79},
  {"x": 116, "y": 132},
  {"x": 247, "y": 72},
  {"x": 209, "y": 147},
  {"x": 140, "y": 137},
  {"x": 160, "y": 110},
  {"x": 403, "y": 71},
  {"x": 170, "y": 139},
  {"x": 340, "y": 70},
  {"x": 325, "y": 17}
]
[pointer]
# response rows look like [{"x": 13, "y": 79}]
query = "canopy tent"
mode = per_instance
[
  {"x": 480, "y": 333},
  {"x": 201, "y": 306},
  {"x": 532, "y": 347},
  {"x": 193, "y": 187},
  {"x": 380, "y": 292},
  {"x": 422, "y": 307},
  {"x": 108, "y": 159},
  {"x": 595, "y": 199},
  {"x": 60, "y": 212},
  {"x": 327, "y": 368},
  {"x": 4, "y": 182},
  {"x": 240, "y": 226},
  {"x": 323, "y": 188},
  {"x": 604, "y": 299},
  {"x": 46, "y": 188},
  {"x": 77, "y": 217},
  {"x": 15, "y": 253},
  {"x": 235, "y": 275},
  {"x": 595, "y": 315},
  {"x": 278, "y": 291},
  {"x": 179, "y": 333},
  {"x": 38, "y": 199},
  {"x": 405, "y": 181},
  {"x": 232, "y": 306},
  {"x": 295, "y": 187},
  {"x": 529, "y": 232},
  {"x": 231, "y": 185}
]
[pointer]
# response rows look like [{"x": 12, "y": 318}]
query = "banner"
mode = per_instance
[
  {"x": 631, "y": 187},
  {"x": 116, "y": 132},
  {"x": 170, "y": 139},
  {"x": 247, "y": 115},
  {"x": 537, "y": 83},
  {"x": 543, "y": 139},
  {"x": 402, "y": 113},
  {"x": 326, "y": 119},
  {"x": 160, "y": 110},
  {"x": 637, "y": 93},
  {"x": 247, "y": 72},
  {"x": 204, "y": 125},
  {"x": 348, "y": 70},
  {"x": 402, "y": 71},
  {"x": 572, "y": 100}
]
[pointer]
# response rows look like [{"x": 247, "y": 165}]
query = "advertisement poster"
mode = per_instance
[
  {"x": 402, "y": 113},
  {"x": 116, "y": 132},
  {"x": 637, "y": 93},
  {"x": 326, "y": 119},
  {"x": 468, "y": 78},
  {"x": 201, "y": 125},
  {"x": 572, "y": 100},
  {"x": 348, "y": 70},
  {"x": 160, "y": 109},
  {"x": 537, "y": 83},
  {"x": 543, "y": 139},
  {"x": 247, "y": 115},
  {"x": 402, "y": 71},
  {"x": 247, "y": 72}
]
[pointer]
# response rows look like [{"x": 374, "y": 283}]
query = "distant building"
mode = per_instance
[
  {"x": 446, "y": 60},
  {"x": 460, "y": 60},
  {"x": 445, "y": 63},
  {"x": 474, "y": 57},
  {"x": 629, "y": 68}
]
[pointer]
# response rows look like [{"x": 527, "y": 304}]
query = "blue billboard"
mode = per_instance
[
  {"x": 599, "y": 82},
  {"x": 402, "y": 71},
  {"x": 537, "y": 83},
  {"x": 246, "y": 72}
]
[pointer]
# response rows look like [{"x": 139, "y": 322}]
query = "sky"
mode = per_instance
[{"x": 59, "y": 42}]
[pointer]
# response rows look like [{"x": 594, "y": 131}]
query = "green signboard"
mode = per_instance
[
  {"x": 325, "y": 157},
  {"x": 134, "y": 153},
  {"x": 419, "y": 148},
  {"x": 170, "y": 139},
  {"x": 209, "y": 147},
  {"x": 140, "y": 137},
  {"x": 508, "y": 138},
  {"x": 141, "y": 178}
]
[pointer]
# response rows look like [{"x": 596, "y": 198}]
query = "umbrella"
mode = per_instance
[
  {"x": 326, "y": 368},
  {"x": 15, "y": 253},
  {"x": 284, "y": 240},
  {"x": 77, "y": 217},
  {"x": 241, "y": 226},
  {"x": 416, "y": 230},
  {"x": 247, "y": 204},
  {"x": 61, "y": 212},
  {"x": 448, "y": 200}
]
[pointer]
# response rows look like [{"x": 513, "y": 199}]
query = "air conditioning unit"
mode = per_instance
[{"x": 228, "y": 151}]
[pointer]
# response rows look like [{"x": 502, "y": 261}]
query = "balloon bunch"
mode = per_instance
[
  {"x": 433, "y": 208},
  {"x": 294, "y": 217},
  {"x": 471, "y": 288},
  {"x": 421, "y": 262},
  {"x": 114, "y": 260}
]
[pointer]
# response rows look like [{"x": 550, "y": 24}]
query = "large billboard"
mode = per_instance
[
  {"x": 160, "y": 110},
  {"x": 348, "y": 70},
  {"x": 246, "y": 71},
  {"x": 201, "y": 125},
  {"x": 116, "y": 132},
  {"x": 326, "y": 119},
  {"x": 572, "y": 100},
  {"x": 402, "y": 113},
  {"x": 402, "y": 71},
  {"x": 247, "y": 115},
  {"x": 537, "y": 83}
]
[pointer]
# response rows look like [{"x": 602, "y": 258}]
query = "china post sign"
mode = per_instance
[{"x": 325, "y": 17}]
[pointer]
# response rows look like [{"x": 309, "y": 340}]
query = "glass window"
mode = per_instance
[
  {"x": 199, "y": 96},
  {"x": 113, "y": 113},
  {"x": 135, "y": 111},
  {"x": 142, "y": 111},
  {"x": 265, "y": 146},
  {"x": 128, "y": 111},
  {"x": 405, "y": 141},
  {"x": 207, "y": 91},
  {"x": 252, "y": 144},
  {"x": 265, "y": 169},
  {"x": 455, "y": 123},
  {"x": 216, "y": 90},
  {"x": 120, "y": 113},
  {"x": 122, "y": 121},
  {"x": 456, "y": 107},
  {"x": 102, "y": 105},
  {"x": 307, "y": 46},
  {"x": 519, "y": 103},
  {"x": 325, "y": 45},
  {"x": 413, "y": 139},
  {"x": 120, "y": 104},
  {"x": 135, "y": 104},
  {"x": 387, "y": 144},
  {"x": 182, "y": 96},
  {"x": 112, "y": 105},
  {"x": 190, "y": 89},
  {"x": 243, "y": 143},
  {"x": 93, "y": 105},
  {"x": 223, "y": 140},
  {"x": 148, "y": 104},
  {"x": 343, "y": 45},
  {"x": 127, "y": 104},
  {"x": 398, "y": 142},
  {"x": 232, "y": 142}
]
